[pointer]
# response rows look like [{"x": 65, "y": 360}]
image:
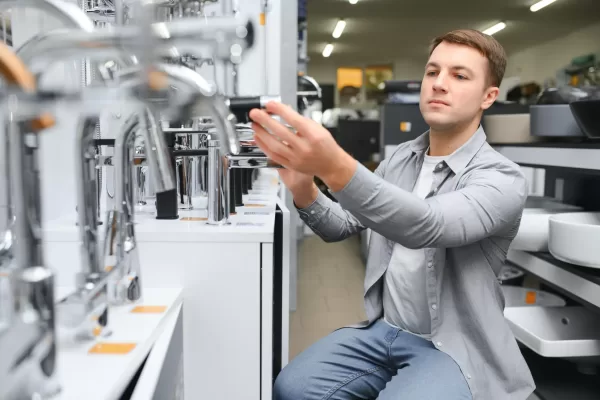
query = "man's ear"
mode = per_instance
[{"x": 490, "y": 96}]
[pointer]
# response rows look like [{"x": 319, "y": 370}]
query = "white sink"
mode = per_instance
[{"x": 575, "y": 238}]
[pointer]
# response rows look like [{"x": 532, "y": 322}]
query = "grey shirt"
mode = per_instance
[{"x": 465, "y": 229}]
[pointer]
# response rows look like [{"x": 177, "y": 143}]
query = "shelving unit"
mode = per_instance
[
  {"x": 559, "y": 343},
  {"x": 580, "y": 283},
  {"x": 583, "y": 155}
]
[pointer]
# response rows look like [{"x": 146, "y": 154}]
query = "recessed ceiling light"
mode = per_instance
[
  {"x": 327, "y": 50},
  {"x": 353, "y": 1},
  {"x": 339, "y": 28},
  {"x": 495, "y": 29},
  {"x": 541, "y": 4}
]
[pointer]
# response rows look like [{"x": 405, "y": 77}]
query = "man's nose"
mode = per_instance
[{"x": 440, "y": 83}]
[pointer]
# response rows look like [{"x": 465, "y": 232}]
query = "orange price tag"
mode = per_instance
[
  {"x": 194, "y": 219},
  {"x": 112, "y": 348},
  {"x": 149, "y": 309},
  {"x": 530, "y": 297}
]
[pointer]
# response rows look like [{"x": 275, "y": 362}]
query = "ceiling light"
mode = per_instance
[
  {"x": 541, "y": 4},
  {"x": 327, "y": 50},
  {"x": 353, "y": 1},
  {"x": 339, "y": 28},
  {"x": 495, "y": 29}
]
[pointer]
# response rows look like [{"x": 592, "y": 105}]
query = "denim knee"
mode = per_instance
[{"x": 289, "y": 384}]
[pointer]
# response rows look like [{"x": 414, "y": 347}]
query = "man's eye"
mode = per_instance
[
  {"x": 461, "y": 77},
  {"x": 431, "y": 73}
]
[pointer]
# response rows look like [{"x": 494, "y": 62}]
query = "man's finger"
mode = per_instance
[
  {"x": 272, "y": 155},
  {"x": 267, "y": 142},
  {"x": 290, "y": 116},
  {"x": 278, "y": 129}
]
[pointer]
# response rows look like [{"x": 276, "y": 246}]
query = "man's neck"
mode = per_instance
[{"x": 444, "y": 143}]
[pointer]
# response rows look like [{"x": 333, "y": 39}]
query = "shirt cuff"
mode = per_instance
[{"x": 314, "y": 211}]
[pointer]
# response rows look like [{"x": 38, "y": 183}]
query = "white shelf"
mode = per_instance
[
  {"x": 574, "y": 283},
  {"x": 96, "y": 376},
  {"x": 556, "y": 331},
  {"x": 564, "y": 157}
]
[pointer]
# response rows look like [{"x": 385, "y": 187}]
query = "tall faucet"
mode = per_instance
[
  {"x": 121, "y": 250},
  {"x": 219, "y": 176},
  {"x": 27, "y": 327}
]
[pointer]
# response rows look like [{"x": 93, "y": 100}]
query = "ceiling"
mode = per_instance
[{"x": 387, "y": 30}]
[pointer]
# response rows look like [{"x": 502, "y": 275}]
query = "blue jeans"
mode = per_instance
[{"x": 379, "y": 362}]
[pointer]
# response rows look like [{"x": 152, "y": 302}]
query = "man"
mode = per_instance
[{"x": 443, "y": 210}]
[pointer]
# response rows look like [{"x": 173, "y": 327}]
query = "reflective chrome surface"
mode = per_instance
[
  {"x": 218, "y": 185},
  {"x": 27, "y": 333}
]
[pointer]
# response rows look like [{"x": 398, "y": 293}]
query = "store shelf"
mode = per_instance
[
  {"x": 563, "y": 332},
  {"x": 579, "y": 282},
  {"x": 562, "y": 156}
]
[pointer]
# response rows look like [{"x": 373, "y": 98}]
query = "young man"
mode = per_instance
[{"x": 443, "y": 210}]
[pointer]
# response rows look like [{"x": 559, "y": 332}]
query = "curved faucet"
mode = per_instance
[
  {"x": 221, "y": 37},
  {"x": 68, "y": 13}
]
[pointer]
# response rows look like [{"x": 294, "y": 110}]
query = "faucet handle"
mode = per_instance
[{"x": 15, "y": 72}]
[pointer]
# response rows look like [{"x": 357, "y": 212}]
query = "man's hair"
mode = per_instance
[{"x": 485, "y": 44}]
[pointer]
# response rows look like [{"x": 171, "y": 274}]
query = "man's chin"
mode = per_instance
[{"x": 438, "y": 124}]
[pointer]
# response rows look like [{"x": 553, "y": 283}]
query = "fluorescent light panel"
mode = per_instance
[
  {"x": 495, "y": 29},
  {"x": 353, "y": 1},
  {"x": 339, "y": 28},
  {"x": 327, "y": 50},
  {"x": 541, "y": 4}
]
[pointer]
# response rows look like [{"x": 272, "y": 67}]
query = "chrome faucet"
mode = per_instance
[
  {"x": 219, "y": 175},
  {"x": 27, "y": 326},
  {"x": 121, "y": 250}
]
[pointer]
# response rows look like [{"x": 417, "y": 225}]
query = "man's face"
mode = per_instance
[{"x": 455, "y": 87}]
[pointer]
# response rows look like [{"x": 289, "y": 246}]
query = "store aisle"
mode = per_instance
[{"x": 330, "y": 287}]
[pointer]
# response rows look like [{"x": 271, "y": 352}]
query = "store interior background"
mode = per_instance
[{"x": 389, "y": 40}]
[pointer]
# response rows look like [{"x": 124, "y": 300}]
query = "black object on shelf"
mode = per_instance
[
  {"x": 232, "y": 191},
  {"x": 243, "y": 179},
  {"x": 238, "y": 187},
  {"x": 586, "y": 113},
  {"x": 190, "y": 153},
  {"x": 166, "y": 202}
]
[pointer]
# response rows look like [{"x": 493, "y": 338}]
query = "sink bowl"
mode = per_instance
[
  {"x": 575, "y": 237},
  {"x": 534, "y": 229}
]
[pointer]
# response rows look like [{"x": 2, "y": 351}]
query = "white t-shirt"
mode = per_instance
[{"x": 404, "y": 297}]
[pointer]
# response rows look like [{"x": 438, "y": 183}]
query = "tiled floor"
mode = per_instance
[{"x": 330, "y": 287}]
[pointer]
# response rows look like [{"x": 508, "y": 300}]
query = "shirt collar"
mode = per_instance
[{"x": 458, "y": 160}]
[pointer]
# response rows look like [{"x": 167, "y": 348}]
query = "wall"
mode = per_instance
[
  {"x": 533, "y": 64},
  {"x": 325, "y": 70},
  {"x": 543, "y": 61}
]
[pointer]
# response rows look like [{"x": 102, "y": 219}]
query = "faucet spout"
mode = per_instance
[
  {"x": 157, "y": 154},
  {"x": 87, "y": 198},
  {"x": 67, "y": 13}
]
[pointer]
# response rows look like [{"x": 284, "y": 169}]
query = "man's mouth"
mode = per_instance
[{"x": 438, "y": 102}]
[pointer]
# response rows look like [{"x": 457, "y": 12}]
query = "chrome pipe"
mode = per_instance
[
  {"x": 27, "y": 342},
  {"x": 218, "y": 180},
  {"x": 67, "y": 13},
  {"x": 220, "y": 36},
  {"x": 119, "y": 243},
  {"x": 87, "y": 204}
]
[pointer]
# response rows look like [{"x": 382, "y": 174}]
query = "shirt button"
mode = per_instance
[
  {"x": 434, "y": 306},
  {"x": 439, "y": 344},
  {"x": 430, "y": 264},
  {"x": 312, "y": 212},
  {"x": 439, "y": 166},
  {"x": 468, "y": 376}
]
